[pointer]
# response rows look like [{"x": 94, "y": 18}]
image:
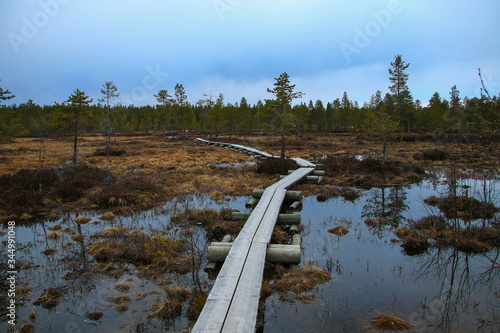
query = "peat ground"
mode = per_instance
[{"x": 145, "y": 170}]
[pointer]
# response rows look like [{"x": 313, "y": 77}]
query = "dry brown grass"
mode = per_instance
[
  {"x": 166, "y": 309},
  {"x": 152, "y": 169},
  {"x": 82, "y": 220},
  {"x": 49, "y": 251},
  {"x": 55, "y": 227},
  {"x": 78, "y": 237},
  {"x": 94, "y": 315},
  {"x": 196, "y": 305},
  {"x": 28, "y": 328},
  {"x": 108, "y": 269},
  {"x": 123, "y": 287},
  {"x": 390, "y": 323},
  {"x": 339, "y": 231},
  {"x": 120, "y": 299},
  {"x": 49, "y": 298},
  {"x": 108, "y": 216},
  {"x": 301, "y": 279},
  {"x": 53, "y": 235}
]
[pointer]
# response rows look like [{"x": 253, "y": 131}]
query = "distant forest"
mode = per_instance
[
  {"x": 174, "y": 113},
  {"x": 477, "y": 114}
]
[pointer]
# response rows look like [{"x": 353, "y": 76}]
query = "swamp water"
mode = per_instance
[{"x": 439, "y": 290}]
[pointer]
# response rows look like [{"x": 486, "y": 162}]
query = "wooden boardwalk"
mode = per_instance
[{"x": 233, "y": 301}]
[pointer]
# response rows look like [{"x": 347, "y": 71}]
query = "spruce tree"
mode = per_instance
[{"x": 403, "y": 100}]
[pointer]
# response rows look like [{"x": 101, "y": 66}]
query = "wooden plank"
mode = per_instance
[
  {"x": 242, "y": 314},
  {"x": 232, "y": 304}
]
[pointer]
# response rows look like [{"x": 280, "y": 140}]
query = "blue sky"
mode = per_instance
[{"x": 49, "y": 48}]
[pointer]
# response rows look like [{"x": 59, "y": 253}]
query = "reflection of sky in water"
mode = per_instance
[{"x": 371, "y": 274}]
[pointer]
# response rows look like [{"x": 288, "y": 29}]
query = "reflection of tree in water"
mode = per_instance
[
  {"x": 459, "y": 290},
  {"x": 387, "y": 205}
]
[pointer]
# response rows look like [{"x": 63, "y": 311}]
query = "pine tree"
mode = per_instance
[
  {"x": 71, "y": 112},
  {"x": 109, "y": 93},
  {"x": 180, "y": 103},
  {"x": 165, "y": 100},
  {"x": 284, "y": 94},
  {"x": 4, "y": 95},
  {"x": 379, "y": 125}
]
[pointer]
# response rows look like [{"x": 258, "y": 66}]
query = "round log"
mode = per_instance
[
  {"x": 296, "y": 239},
  {"x": 251, "y": 203},
  {"x": 283, "y": 219},
  {"x": 210, "y": 267},
  {"x": 294, "y": 229},
  {"x": 276, "y": 253},
  {"x": 289, "y": 196}
]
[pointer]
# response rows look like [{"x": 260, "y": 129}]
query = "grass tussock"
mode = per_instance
[
  {"x": 55, "y": 227},
  {"x": 196, "y": 305},
  {"x": 48, "y": 252},
  {"x": 120, "y": 299},
  {"x": 301, "y": 279},
  {"x": 108, "y": 216},
  {"x": 49, "y": 298},
  {"x": 54, "y": 235},
  {"x": 178, "y": 293},
  {"x": 28, "y": 328},
  {"x": 347, "y": 193},
  {"x": 463, "y": 207},
  {"x": 67, "y": 230},
  {"x": 43, "y": 190},
  {"x": 78, "y": 237},
  {"x": 108, "y": 269},
  {"x": 339, "y": 231},
  {"x": 23, "y": 291},
  {"x": 123, "y": 287},
  {"x": 273, "y": 166},
  {"x": 390, "y": 323},
  {"x": 121, "y": 307},
  {"x": 166, "y": 309},
  {"x": 82, "y": 220},
  {"x": 203, "y": 216},
  {"x": 153, "y": 255},
  {"x": 368, "y": 172},
  {"x": 94, "y": 315},
  {"x": 435, "y": 231},
  {"x": 112, "y": 233}
]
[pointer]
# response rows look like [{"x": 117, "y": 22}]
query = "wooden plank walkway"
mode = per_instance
[{"x": 233, "y": 301}]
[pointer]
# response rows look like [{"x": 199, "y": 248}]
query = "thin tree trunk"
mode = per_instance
[
  {"x": 75, "y": 142},
  {"x": 384, "y": 152},
  {"x": 282, "y": 146}
]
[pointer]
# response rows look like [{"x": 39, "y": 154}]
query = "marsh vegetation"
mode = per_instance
[{"x": 415, "y": 239}]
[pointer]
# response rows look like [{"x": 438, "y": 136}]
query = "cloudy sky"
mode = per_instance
[{"x": 49, "y": 48}]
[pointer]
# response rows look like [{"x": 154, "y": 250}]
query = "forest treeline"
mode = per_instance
[{"x": 174, "y": 113}]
